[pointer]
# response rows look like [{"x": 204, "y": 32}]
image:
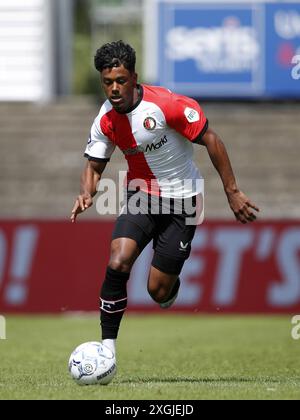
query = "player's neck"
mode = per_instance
[{"x": 137, "y": 98}]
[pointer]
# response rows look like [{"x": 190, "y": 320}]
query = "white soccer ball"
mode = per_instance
[{"x": 92, "y": 363}]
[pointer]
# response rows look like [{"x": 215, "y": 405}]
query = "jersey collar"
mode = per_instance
[{"x": 141, "y": 95}]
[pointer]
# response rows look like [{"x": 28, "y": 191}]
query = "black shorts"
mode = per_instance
[{"x": 171, "y": 235}]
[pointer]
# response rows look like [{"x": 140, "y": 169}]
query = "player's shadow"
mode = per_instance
[{"x": 230, "y": 379}]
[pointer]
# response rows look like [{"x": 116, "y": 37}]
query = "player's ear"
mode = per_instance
[{"x": 135, "y": 79}]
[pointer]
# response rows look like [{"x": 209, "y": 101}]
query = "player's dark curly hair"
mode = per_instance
[{"x": 115, "y": 54}]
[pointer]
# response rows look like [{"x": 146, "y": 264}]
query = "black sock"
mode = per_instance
[{"x": 113, "y": 302}]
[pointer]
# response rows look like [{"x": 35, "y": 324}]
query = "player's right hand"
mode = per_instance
[{"x": 82, "y": 203}]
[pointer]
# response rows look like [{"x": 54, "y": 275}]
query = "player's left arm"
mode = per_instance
[{"x": 239, "y": 203}]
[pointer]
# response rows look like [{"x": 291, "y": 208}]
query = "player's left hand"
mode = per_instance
[{"x": 242, "y": 207}]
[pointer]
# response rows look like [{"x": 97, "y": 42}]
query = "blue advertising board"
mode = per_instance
[
  {"x": 227, "y": 49},
  {"x": 283, "y": 43}
]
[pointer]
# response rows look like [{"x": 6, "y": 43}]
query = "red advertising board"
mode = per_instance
[{"x": 53, "y": 267}]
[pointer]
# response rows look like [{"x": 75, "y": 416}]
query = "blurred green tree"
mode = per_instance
[
  {"x": 98, "y": 22},
  {"x": 85, "y": 77}
]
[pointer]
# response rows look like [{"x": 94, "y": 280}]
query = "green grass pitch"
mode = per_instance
[{"x": 159, "y": 357}]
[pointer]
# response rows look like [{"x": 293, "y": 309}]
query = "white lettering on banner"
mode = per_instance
[
  {"x": 223, "y": 256},
  {"x": 232, "y": 244},
  {"x": 230, "y": 48},
  {"x": 287, "y": 293},
  {"x": 296, "y": 329},
  {"x": 296, "y": 69},
  {"x": 287, "y": 24},
  {"x": 2, "y": 256},
  {"x": 24, "y": 246},
  {"x": 265, "y": 244}
]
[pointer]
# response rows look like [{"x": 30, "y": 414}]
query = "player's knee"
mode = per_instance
[
  {"x": 120, "y": 263},
  {"x": 158, "y": 293},
  {"x": 122, "y": 257}
]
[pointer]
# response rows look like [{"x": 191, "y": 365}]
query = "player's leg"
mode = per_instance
[
  {"x": 164, "y": 282},
  {"x": 124, "y": 252},
  {"x": 129, "y": 239},
  {"x": 172, "y": 245}
]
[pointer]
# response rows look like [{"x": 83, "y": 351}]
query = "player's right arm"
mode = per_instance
[
  {"x": 98, "y": 152},
  {"x": 90, "y": 177}
]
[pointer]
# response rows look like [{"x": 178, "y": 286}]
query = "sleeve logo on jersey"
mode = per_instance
[
  {"x": 90, "y": 143},
  {"x": 149, "y": 123},
  {"x": 191, "y": 115}
]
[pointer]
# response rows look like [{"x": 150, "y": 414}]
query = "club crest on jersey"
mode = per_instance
[
  {"x": 191, "y": 115},
  {"x": 149, "y": 123}
]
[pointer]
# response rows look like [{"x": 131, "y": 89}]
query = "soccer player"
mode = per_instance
[{"x": 156, "y": 130}]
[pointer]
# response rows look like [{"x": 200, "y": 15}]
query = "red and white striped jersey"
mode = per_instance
[{"x": 156, "y": 138}]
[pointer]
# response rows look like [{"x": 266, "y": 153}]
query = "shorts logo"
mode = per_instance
[
  {"x": 183, "y": 247},
  {"x": 149, "y": 124},
  {"x": 191, "y": 115}
]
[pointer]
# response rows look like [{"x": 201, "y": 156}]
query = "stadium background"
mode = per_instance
[
  {"x": 233, "y": 267},
  {"x": 49, "y": 95}
]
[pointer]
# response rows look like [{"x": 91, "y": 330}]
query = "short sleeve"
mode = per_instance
[
  {"x": 99, "y": 147},
  {"x": 185, "y": 115}
]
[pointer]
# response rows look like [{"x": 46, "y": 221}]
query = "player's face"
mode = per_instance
[{"x": 119, "y": 86}]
